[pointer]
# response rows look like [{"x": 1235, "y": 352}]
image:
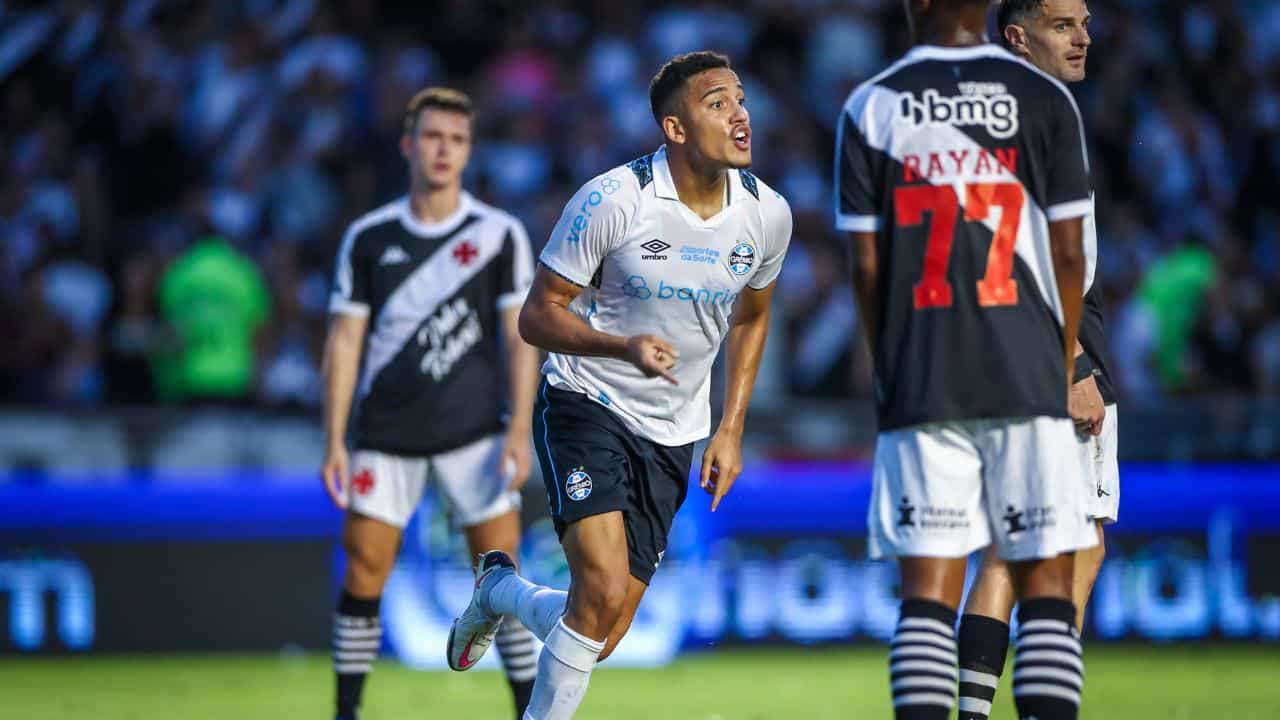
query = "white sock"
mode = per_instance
[
  {"x": 537, "y": 607},
  {"x": 564, "y": 668}
]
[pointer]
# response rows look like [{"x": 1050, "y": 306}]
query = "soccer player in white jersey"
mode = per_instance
[
  {"x": 1053, "y": 35},
  {"x": 434, "y": 282},
  {"x": 651, "y": 267}
]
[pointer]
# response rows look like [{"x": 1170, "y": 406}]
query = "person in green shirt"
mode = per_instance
[{"x": 215, "y": 300}]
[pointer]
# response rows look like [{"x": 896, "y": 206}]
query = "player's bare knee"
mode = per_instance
[
  {"x": 598, "y": 603},
  {"x": 367, "y": 569}
]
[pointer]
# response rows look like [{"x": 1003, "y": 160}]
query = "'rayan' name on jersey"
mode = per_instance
[{"x": 987, "y": 105}]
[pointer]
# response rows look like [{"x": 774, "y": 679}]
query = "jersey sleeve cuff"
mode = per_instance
[
  {"x": 570, "y": 276},
  {"x": 343, "y": 306},
  {"x": 512, "y": 299},
  {"x": 857, "y": 223},
  {"x": 1069, "y": 210}
]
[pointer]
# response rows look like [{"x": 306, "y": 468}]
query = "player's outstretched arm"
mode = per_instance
[
  {"x": 522, "y": 381},
  {"x": 866, "y": 279},
  {"x": 547, "y": 322},
  {"x": 1066, "y": 243},
  {"x": 748, "y": 328},
  {"x": 341, "y": 363}
]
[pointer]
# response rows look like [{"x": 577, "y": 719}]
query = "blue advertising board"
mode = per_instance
[{"x": 1195, "y": 556}]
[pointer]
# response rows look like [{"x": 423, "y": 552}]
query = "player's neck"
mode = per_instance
[
  {"x": 964, "y": 33},
  {"x": 701, "y": 189},
  {"x": 431, "y": 205}
]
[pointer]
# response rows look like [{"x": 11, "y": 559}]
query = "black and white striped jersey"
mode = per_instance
[
  {"x": 432, "y": 377},
  {"x": 959, "y": 158}
]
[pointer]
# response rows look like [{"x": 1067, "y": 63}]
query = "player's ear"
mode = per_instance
[
  {"x": 406, "y": 145},
  {"x": 673, "y": 129},
  {"x": 1015, "y": 37}
]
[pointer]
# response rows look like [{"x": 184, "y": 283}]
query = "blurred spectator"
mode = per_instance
[{"x": 215, "y": 301}]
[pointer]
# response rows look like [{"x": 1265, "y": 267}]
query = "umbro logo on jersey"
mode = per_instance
[
  {"x": 393, "y": 255},
  {"x": 655, "y": 248}
]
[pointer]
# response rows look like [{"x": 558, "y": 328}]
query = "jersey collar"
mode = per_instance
[
  {"x": 664, "y": 186},
  {"x": 970, "y": 52},
  {"x": 433, "y": 229}
]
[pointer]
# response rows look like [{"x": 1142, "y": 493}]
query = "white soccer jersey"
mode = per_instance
[{"x": 649, "y": 265}]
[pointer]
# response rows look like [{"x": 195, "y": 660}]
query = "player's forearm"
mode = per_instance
[
  {"x": 1067, "y": 248},
  {"x": 745, "y": 347},
  {"x": 341, "y": 365},
  {"x": 522, "y": 372},
  {"x": 554, "y": 328},
  {"x": 866, "y": 278}
]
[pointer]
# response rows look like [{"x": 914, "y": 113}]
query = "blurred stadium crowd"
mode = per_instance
[{"x": 178, "y": 173}]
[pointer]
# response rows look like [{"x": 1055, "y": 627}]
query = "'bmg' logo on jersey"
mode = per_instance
[
  {"x": 997, "y": 113},
  {"x": 742, "y": 258},
  {"x": 578, "y": 485}
]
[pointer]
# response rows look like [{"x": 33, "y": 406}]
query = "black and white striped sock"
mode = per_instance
[
  {"x": 1048, "y": 662},
  {"x": 357, "y": 635},
  {"x": 515, "y": 645},
  {"x": 922, "y": 661},
  {"x": 984, "y": 643}
]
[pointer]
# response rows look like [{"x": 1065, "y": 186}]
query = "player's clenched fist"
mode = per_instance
[{"x": 654, "y": 356}]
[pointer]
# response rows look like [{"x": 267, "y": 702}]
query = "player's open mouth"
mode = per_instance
[
  {"x": 1075, "y": 59},
  {"x": 742, "y": 138}
]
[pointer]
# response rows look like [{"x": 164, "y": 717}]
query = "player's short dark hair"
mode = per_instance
[
  {"x": 671, "y": 78},
  {"x": 437, "y": 98},
  {"x": 1014, "y": 12}
]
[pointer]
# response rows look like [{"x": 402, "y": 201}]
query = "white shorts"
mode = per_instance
[
  {"x": 467, "y": 480},
  {"x": 1102, "y": 482},
  {"x": 948, "y": 489}
]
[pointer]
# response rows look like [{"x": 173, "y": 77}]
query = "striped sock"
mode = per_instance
[
  {"x": 984, "y": 643},
  {"x": 515, "y": 645},
  {"x": 357, "y": 635},
  {"x": 922, "y": 661},
  {"x": 1048, "y": 664}
]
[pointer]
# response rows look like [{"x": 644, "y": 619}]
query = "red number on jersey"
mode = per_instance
[
  {"x": 910, "y": 204},
  {"x": 997, "y": 287}
]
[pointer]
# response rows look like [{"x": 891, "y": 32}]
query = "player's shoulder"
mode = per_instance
[
  {"x": 885, "y": 85},
  {"x": 771, "y": 203},
  {"x": 617, "y": 189},
  {"x": 376, "y": 218},
  {"x": 492, "y": 215}
]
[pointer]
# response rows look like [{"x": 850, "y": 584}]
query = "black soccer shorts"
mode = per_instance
[{"x": 592, "y": 464}]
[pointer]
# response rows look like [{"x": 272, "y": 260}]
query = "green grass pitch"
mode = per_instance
[{"x": 1217, "y": 682}]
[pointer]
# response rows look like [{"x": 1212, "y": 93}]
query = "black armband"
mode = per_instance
[{"x": 1084, "y": 368}]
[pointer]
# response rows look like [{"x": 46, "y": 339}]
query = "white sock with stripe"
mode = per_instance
[{"x": 922, "y": 661}]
